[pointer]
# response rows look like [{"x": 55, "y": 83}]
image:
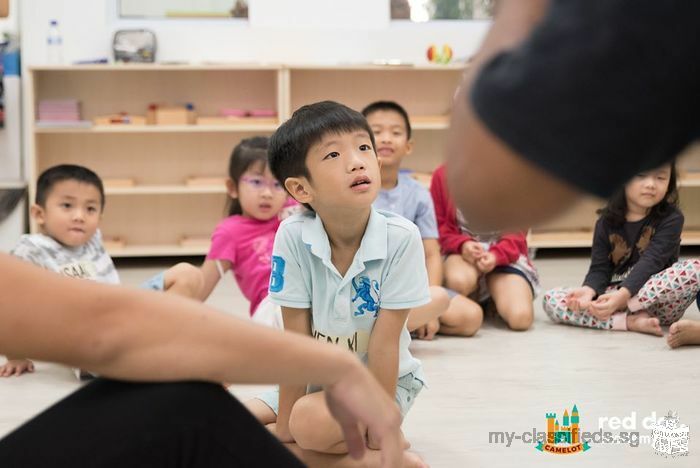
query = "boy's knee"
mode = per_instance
[
  {"x": 309, "y": 428},
  {"x": 439, "y": 297},
  {"x": 466, "y": 316},
  {"x": 187, "y": 278}
]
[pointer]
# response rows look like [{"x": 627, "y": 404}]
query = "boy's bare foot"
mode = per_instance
[
  {"x": 684, "y": 332},
  {"x": 412, "y": 460},
  {"x": 641, "y": 322}
]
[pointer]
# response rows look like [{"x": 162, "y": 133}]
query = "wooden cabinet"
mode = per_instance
[{"x": 152, "y": 210}]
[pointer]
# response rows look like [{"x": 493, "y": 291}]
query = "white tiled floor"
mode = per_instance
[{"x": 496, "y": 381}]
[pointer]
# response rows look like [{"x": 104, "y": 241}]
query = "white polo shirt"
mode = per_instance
[{"x": 388, "y": 272}]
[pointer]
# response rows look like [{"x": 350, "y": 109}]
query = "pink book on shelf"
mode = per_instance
[
  {"x": 232, "y": 112},
  {"x": 262, "y": 113}
]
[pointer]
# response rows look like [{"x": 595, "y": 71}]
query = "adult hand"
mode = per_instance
[{"x": 358, "y": 399}]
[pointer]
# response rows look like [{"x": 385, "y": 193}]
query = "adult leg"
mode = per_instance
[
  {"x": 512, "y": 295},
  {"x": 117, "y": 424}
]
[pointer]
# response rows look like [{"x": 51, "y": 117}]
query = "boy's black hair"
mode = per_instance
[
  {"x": 290, "y": 144},
  {"x": 389, "y": 106},
  {"x": 615, "y": 212},
  {"x": 56, "y": 174},
  {"x": 246, "y": 153}
]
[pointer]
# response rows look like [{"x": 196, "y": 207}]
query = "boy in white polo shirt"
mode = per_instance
[{"x": 343, "y": 272}]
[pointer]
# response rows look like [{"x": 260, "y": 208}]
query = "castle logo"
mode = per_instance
[
  {"x": 565, "y": 438},
  {"x": 669, "y": 438}
]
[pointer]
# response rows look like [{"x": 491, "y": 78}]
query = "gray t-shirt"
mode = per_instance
[
  {"x": 412, "y": 201},
  {"x": 89, "y": 261}
]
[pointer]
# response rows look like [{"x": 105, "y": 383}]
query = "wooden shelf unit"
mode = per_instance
[{"x": 159, "y": 209}]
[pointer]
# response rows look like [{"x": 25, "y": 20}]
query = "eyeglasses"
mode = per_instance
[{"x": 258, "y": 183}]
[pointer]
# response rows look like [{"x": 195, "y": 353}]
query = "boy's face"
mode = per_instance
[
  {"x": 344, "y": 173},
  {"x": 391, "y": 136},
  {"x": 71, "y": 214}
]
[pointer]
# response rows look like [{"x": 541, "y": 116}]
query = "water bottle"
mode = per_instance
[{"x": 54, "y": 43}]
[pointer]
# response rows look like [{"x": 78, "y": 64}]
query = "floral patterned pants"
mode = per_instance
[{"x": 666, "y": 295}]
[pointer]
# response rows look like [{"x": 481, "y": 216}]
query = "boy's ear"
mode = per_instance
[
  {"x": 299, "y": 188},
  {"x": 38, "y": 214},
  {"x": 231, "y": 188},
  {"x": 409, "y": 146}
]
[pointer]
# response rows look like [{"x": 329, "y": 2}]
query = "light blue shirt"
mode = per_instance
[
  {"x": 412, "y": 201},
  {"x": 387, "y": 272}
]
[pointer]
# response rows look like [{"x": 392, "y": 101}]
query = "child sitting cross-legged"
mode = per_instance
[
  {"x": 343, "y": 273},
  {"x": 68, "y": 208},
  {"x": 635, "y": 281}
]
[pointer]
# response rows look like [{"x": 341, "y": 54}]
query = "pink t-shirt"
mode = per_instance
[{"x": 247, "y": 244}]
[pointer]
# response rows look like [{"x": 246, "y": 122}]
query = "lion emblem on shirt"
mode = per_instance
[{"x": 367, "y": 291}]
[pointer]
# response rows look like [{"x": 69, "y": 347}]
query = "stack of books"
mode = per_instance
[{"x": 63, "y": 112}]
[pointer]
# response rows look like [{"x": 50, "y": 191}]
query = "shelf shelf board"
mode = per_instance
[
  {"x": 165, "y": 189},
  {"x": 157, "y": 250},
  {"x": 573, "y": 239},
  {"x": 690, "y": 237},
  {"x": 12, "y": 184},
  {"x": 126, "y": 67},
  {"x": 239, "y": 127},
  {"x": 430, "y": 122},
  {"x": 457, "y": 66},
  {"x": 689, "y": 179},
  {"x": 560, "y": 239}
]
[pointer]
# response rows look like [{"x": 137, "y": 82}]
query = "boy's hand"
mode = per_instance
[
  {"x": 486, "y": 263},
  {"x": 607, "y": 304},
  {"x": 16, "y": 367},
  {"x": 580, "y": 299},
  {"x": 428, "y": 331},
  {"x": 472, "y": 251}
]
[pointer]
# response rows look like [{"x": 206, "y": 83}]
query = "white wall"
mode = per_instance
[
  {"x": 10, "y": 23},
  {"x": 278, "y": 31}
]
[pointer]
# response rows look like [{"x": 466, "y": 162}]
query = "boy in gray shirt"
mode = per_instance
[{"x": 68, "y": 207}]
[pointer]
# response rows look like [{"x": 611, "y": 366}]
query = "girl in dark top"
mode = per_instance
[{"x": 635, "y": 281}]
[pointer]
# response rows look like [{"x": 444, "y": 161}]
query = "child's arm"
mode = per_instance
[
  {"x": 383, "y": 349},
  {"x": 601, "y": 269},
  {"x": 433, "y": 261},
  {"x": 664, "y": 245},
  {"x": 295, "y": 320},
  {"x": 504, "y": 252},
  {"x": 212, "y": 271},
  {"x": 451, "y": 238}
]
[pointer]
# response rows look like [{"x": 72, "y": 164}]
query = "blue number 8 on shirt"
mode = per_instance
[{"x": 277, "y": 274}]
